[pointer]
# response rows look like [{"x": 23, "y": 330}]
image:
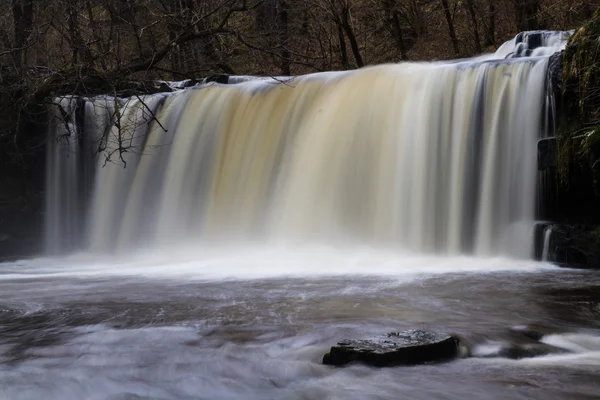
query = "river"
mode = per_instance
[{"x": 253, "y": 322}]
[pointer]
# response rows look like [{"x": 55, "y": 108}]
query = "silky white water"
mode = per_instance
[
  {"x": 546, "y": 244},
  {"x": 218, "y": 250},
  {"x": 434, "y": 158}
]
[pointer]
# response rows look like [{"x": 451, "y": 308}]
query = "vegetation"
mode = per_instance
[
  {"x": 579, "y": 128},
  {"x": 50, "y": 48}
]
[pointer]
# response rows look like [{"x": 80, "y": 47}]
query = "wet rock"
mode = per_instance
[
  {"x": 516, "y": 351},
  {"x": 546, "y": 153},
  {"x": 575, "y": 246},
  {"x": 555, "y": 72},
  {"x": 222, "y": 79},
  {"x": 531, "y": 350},
  {"x": 534, "y": 332},
  {"x": 397, "y": 348}
]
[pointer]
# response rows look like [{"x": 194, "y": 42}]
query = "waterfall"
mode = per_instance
[
  {"x": 62, "y": 177},
  {"x": 546, "y": 245},
  {"x": 431, "y": 157}
]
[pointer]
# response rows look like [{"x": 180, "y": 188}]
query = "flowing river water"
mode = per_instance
[
  {"x": 254, "y": 323},
  {"x": 213, "y": 243}
]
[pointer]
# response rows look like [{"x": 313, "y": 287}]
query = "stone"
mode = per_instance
[
  {"x": 398, "y": 348},
  {"x": 546, "y": 153},
  {"x": 533, "y": 332},
  {"x": 519, "y": 351},
  {"x": 515, "y": 351},
  {"x": 575, "y": 246}
]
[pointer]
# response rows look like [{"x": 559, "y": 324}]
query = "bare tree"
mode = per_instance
[
  {"x": 393, "y": 17},
  {"x": 475, "y": 25},
  {"x": 527, "y": 14},
  {"x": 22, "y": 11},
  {"x": 339, "y": 12},
  {"x": 490, "y": 31},
  {"x": 451, "y": 29}
]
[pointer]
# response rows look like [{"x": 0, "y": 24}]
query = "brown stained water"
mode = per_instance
[{"x": 145, "y": 329}]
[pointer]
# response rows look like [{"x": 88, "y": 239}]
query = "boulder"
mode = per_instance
[
  {"x": 398, "y": 348},
  {"x": 575, "y": 246}
]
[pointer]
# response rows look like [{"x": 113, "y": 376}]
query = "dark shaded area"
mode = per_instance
[
  {"x": 568, "y": 245},
  {"x": 577, "y": 91},
  {"x": 22, "y": 178}
]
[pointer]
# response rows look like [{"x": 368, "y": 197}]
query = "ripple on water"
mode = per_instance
[{"x": 77, "y": 333}]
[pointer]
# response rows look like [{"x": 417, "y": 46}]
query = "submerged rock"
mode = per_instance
[
  {"x": 525, "y": 342},
  {"x": 534, "y": 332},
  {"x": 515, "y": 351},
  {"x": 397, "y": 348}
]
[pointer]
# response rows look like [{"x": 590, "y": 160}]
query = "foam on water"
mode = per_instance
[
  {"x": 435, "y": 157},
  {"x": 583, "y": 352},
  {"x": 259, "y": 262}
]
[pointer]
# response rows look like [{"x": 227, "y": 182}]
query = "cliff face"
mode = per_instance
[
  {"x": 574, "y": 195},
  {"x": 22, "y": 173},
  {"x": 578, "y": 130}
]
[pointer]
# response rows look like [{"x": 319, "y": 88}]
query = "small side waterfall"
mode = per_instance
[
  {"x": 546, "y": 245},
  {"x": 431, "y": 157}
]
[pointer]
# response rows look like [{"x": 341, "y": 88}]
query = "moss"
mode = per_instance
[
  {"x": 578, "y": 132},
  {"x": 595, "y": 235}
]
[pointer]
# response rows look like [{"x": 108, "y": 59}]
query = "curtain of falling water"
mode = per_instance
[
  {"x": 61, "y": 177},
  {"x": 430, "y": 157}
]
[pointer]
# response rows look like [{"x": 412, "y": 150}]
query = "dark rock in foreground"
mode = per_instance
[{"x": 399, "y": 348}]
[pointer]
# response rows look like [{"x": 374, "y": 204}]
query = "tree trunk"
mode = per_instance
[
  {"x": 100, "y": 49},
  {"x": 490, "y": 32},
  {"x": 527, "y": 14},
  {"x": 23, "y": 21},
  {"x": 347, "y": 26},
  {"x": 395, "y": 26},
  {"x": 343, "y": 50},
  {"x": 451, "y": 30},
  {"x": 72, "y": 24},
  {"x": 399, "y": 37},
  {"x": 284, "y": 38},
  {"x": 472, "y": 14},
  {"x": 417, "y": 16}
]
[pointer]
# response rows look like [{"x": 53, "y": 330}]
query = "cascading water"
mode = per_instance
[
  {"x": 436, "y": 157},
  {"x": 546, "y": 244},
  {"x": 62, "y": 174}
]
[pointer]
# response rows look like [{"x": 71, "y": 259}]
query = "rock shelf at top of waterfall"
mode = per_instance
[{"x": 412, "y": 156}]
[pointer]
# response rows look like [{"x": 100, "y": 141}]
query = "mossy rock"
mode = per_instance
[
  {"x": 579, "y": 123},
  {"x": 575, "y": 246}
]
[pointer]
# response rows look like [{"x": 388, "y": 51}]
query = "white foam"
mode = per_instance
[
  {"x": 256, "y": 262},
  {"x": 575, "y": 342},
  {"x": 584, "y": 352}
]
